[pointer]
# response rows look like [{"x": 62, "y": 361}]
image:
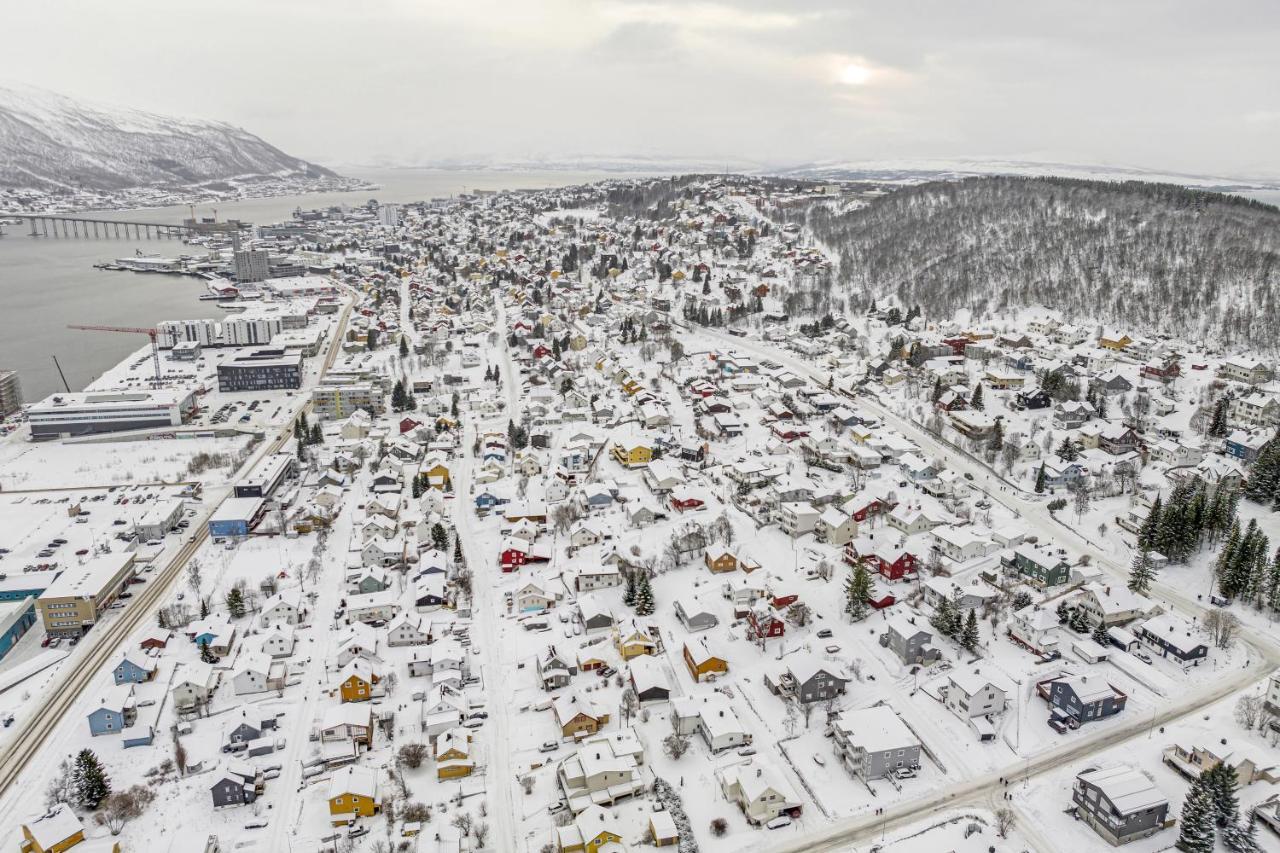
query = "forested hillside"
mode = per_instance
[{"x": 1159, "y": 257}]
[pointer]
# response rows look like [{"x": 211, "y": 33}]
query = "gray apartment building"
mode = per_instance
[
  {"x": 1120, "y": 803},
  {"x": 262, "y": 370},
  {"x": 873, "y": 742},
  {"x": 10, "y": 393}
]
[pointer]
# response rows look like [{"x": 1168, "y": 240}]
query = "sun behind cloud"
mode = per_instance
[{"x": 855, "y": 74}]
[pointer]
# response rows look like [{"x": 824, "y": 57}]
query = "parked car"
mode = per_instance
[
  {"x": 779, "y": 822},
  {"x": 549, "y": 746},
  {"x": 824, "y": 634}
]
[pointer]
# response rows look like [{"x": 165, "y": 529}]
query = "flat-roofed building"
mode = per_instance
[
  {"x": 336, "y": 402},
  {"x": 72, "y": 604},
  {"x": 10, "y": 393},
  {"x": 92, "y": 412},
  {"x": 263, "y": 370}
]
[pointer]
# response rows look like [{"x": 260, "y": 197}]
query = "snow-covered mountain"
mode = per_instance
[{"x": 48, "y": 142}]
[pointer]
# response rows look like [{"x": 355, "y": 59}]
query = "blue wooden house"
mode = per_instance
[
  {"x": 134, "y": 669},
  {"x": 116, "y": 712}
]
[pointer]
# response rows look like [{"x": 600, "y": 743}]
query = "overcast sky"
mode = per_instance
[{"x": 1191, "y": 86}]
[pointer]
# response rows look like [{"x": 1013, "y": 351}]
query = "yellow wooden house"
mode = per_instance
[
  {"x": 632, "y": 641},
  {"x": 357, "y": 680},
  {"x": 632, "y": 453},
  {"x": 593, "y": 829},
  {"x": 54, "y": 832},
  {"x": 353, "y": 793},
  {"x": 453, "y": 754}
]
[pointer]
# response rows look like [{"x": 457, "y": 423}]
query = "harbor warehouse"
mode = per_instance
[
  {"x": 91, "y": 412},
  {"x": 262, "y": 370},
  {"x": 236, "y": 517},
  {"x": 72, "y": 603}
]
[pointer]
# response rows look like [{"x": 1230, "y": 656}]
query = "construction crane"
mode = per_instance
[{"x": 135, "y": 330}]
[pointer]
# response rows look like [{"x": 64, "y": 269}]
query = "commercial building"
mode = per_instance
[
  {"x": 337, "y": 402},
  {"x": 306, "y": 341},
  {"x": 236, "y": 517},
  {"x": 73, "y": 603},
  {"x": 186, "y": 351},
  {"x": 252, "y": 265},
  {"x": 262, "y": 370},
  {"x": 267, "y": 476},
  {"x": 10, "y": 393},
  {"x": 389, "y": 215},
  {"x": 93, "y": 412},
  {"x": 291, "y": 287}
]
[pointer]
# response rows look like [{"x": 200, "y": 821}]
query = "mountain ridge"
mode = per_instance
[{"x": 50, "y": 142}]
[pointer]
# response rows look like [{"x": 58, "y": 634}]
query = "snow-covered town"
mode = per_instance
[{"x": 590, "y": 519}]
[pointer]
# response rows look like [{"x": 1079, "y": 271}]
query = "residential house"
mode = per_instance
[
  {"x": 1120, "y": 803},
  {"x": 1172, "y": 636},
  {"x": 759, "y": 790},
  {"x": 806, "y": 678},
  {"x": 1075, "y": 700},
  {"x": 353, "y": 794},
  {"x": 908, "y": 641},
  {"x": 577, "y": 716},
  {"x": 238, "y": 783},
  {"x": 703, "y": 661}
]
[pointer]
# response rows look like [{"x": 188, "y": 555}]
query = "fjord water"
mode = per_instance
[{"x": 46, "y": 283}]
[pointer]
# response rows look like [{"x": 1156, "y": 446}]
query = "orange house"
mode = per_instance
[
  {"x": 720, "y": 561},
  {"x": 702, "y": 662}
]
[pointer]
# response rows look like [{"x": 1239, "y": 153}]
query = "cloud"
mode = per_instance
[{"x": 752, "y": 79}]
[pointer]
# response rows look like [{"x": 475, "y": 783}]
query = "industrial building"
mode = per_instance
[
  {"x": 93, "y": 412},
  {"x": 236, "y": 517},
  {"x": 337, "y": 402},
  {"x": 10, "y": 393},
  {"x": 159, "y": 520},
  {"x": 261, "y": 370},
  {"x": 75, "y": 601},
  {"x": 15, "y": 618},
  {"x": 267, "y": 476}
]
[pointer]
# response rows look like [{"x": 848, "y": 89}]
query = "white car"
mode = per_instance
[{"x": 779, "y": 822}]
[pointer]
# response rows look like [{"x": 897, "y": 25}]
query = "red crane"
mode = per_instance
[{"x": 155, "y": 346}]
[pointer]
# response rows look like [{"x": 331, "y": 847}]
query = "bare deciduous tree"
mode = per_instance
[
  {"x": 1249, "y": 711},
  {"x": 1004, "y": 821}
]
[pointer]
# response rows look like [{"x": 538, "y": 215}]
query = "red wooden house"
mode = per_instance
[
  {"x": 684, "y": 502},
  {"x": 789, "y": 432},
  {"x": 873, "y": 506},
  {"x": 893, "y": 563},
  {"x": 764, "y": 623},
  {"x": 516, "y": 553},
  {"x": 957, "y": 344},
  {"x": 408, "y": 424}
]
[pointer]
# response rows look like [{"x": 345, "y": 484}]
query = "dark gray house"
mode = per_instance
[
  {"x": 554, "y": 669},
  {"x": 1120, "y": 804},
  {"x": 1172, "y": 637},
  {"x": 1077, "y": 700},
  {"x": 908, "y": 641},
  {"x": 250, "y": 727},
  {"x": 808, "y": 678},
  {"x": 238, "y": 784},
  {"x": 694, "y": 616}
]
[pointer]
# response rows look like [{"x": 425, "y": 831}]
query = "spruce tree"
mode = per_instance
[
  {"x": 629, "y": 596},
  {"x": 1078, "y": 622},
  {"x": 1147, "y": 533},
  {"x": 439, "y": 536},
  {"x": 1067, "y": 451},
  {"x": 1141, "y": 573},
  {"x": 404, "y": 346},
  {"x": 1197, "y": 833},
  {"x": 91, "y": 781},
  {"x": 1040, "y": 480},
  {"x": 1100, "y": 635},
  {"x": 969, "y": 636},
  {"x": 858, "y": 589},
  {"x": 976, "y": 399},
  {"x": 1223, "y": 789},
  {"x": 1218, "y": 424},
  {"x": 1242, "y": 837},
  {"x": 644, "y": 597},
  {"x": 205, "y": 654},
  {"x": 458, "y": 559},
  {"x": 317, "y": 434},
  {"x": 235, "y": 602}
]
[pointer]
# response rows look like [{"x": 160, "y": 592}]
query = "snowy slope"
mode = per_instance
[
  {"x": 914, "y": 171},
  {"x": 49, "y": 141}
]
